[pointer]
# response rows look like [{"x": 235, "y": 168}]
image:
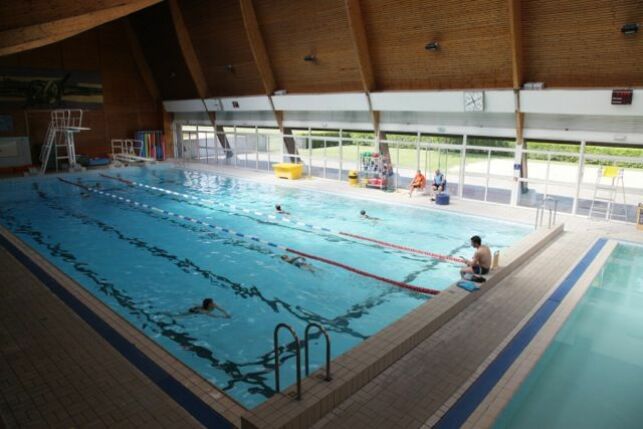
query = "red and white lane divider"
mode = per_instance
[
  {"x": 256, "y": 239},
  {"x": 294, "y": 222}
]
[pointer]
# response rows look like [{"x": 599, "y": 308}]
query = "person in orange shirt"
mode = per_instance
[{"x": 419, "y": 182}]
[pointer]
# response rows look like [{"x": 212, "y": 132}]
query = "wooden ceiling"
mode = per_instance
[
  {"x": 563, "y": 43},
  {"x": 473, "y": 37},
  {"x": 293, "y": 29},
  {"x": 578, "y": 43},
  {"x": 219, "y": 38}
]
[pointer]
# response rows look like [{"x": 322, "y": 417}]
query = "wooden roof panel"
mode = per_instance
[
  {"x": 294, "y": 29},
  {"x": 475, "y": 49},
  {"x": 578, "y": 43},
  {"x": 155, "y": 32},
  {"x": 219, "y": 38}
]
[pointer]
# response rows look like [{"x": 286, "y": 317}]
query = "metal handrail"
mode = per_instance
[
  {"x": 540, "y": 213},
  {"x": 298, "y": 355},
  {"x": 306, "y": 336}
]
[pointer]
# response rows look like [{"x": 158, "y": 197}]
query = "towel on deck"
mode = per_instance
[{"x": 468, "y": 285}]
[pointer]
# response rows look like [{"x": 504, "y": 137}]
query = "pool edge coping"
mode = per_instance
[
  {"x": 355, "y": 368},
  {"x": 487, "y": 410},
  {"x": 460, "y": 297},
  {"x": 199, "y": 398}
]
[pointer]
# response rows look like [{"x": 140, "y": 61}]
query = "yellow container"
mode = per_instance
[
  {"x": 288, "y": 170},
  {"x": 353, "y": 179},
  {"x": 639, "y": 216}
]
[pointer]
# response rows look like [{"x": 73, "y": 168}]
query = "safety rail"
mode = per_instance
[
  {"x": 298, "y": 355},
  {"x": 540, "y": 212},
  {"x": 306, "y": 361}
]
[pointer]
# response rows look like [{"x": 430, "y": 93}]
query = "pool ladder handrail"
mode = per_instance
[
  {"x": 540, "y": 212},
  {"x": 298, "y": 353},
  {"x": 306, "y": 336}
]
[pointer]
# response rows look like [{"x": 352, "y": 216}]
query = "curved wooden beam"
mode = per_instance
[
  {"x": 34, "y": 36},
  {"x": 257, "y": 46},
  {"x": 515, "y": 33},
  {"x": 360, "y": 42},
  {"x": 142, "y": 65},
  {"x": 187, "y": 49}
]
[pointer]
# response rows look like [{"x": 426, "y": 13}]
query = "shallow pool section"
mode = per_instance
[
  {"x": 591, "y": 374},
  {"x": 151, "y": 267}
]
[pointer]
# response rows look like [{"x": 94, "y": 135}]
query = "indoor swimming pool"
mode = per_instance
[
  {"x": 153, "y": 242},
  {"x": 591, "y": 374}
]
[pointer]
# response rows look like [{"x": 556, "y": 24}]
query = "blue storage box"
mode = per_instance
[{"x": 442, "y": 199}]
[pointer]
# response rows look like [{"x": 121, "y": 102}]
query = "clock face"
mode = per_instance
[{"x": 473, "y": 101}]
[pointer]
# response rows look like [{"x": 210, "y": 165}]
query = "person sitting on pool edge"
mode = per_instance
[
  {"x": 299, "y": 262},
  {"x": 419, "y": 182},
  {"x": 279, "y": 210},
  {"x": 207, "y": 307},
  {"x": 481, "y": 261},
  {"x": 439, "y": 183},
  {"x": 363, "y": 215}
]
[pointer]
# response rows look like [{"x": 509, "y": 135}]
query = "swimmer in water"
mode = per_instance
[
  {"x": 279, "y": 210},
  {"x": 365, "y": 216},
  {"x": 208, "y": 306},
  {"x": 299, "y": 262}
]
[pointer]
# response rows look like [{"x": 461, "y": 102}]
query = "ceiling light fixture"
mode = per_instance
[
  {"x": 630, "y": 28},
  {"x": 432, "y": 46}
]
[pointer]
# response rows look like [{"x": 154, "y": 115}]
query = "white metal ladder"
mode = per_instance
[
  {"x": 609, "y": 183},
  {"x": 59, "y": 138}
]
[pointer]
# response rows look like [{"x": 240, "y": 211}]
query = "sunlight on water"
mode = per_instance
[{"x": 151, "y": 268}]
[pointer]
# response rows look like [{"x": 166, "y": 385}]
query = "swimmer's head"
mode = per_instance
[
  {"x": 362, "y": 212},
  {"x": 207, "y": 304},
  {"x": 278, "y": 207}
]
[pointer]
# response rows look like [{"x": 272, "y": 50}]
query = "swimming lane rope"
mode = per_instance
[
  {"x": 255, "y": 239},
  {"x": 293, "y": 222}
]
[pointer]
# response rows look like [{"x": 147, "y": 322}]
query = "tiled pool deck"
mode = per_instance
[
  {"x": 411, "y": 387},
  {"x": 56, "y": 371}
]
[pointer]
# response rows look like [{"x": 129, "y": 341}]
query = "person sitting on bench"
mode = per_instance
[
  {"x": 439, "y": 184},
  {"x": 419, "y": 182}
]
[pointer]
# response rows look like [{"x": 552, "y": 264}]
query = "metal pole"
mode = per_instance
[
  {"x": 341, "y": 156},
  {"x": 463, "y": 155},
  {"x": 397, "y": 165},
  {"x": 235, "y": 145},
  {"x": 269, "y": 149},
  {"x": 310, "y": 153},
  {"x": 256, "y": 148},
  {"x": 216, "y": 146},
  {"x": 547, "y": 176},
  {"x": 298, "y": 357},
  {"x": 579, "y": 176},
  {"x": 486, "y": 186},
  {"x": 417, "y": 151}
]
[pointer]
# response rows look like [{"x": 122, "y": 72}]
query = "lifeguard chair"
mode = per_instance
[
  {"x": 59, "y": 139},
  {"x": 609, "y": 184}
]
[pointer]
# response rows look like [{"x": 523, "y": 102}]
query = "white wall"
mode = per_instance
[
  {"x": 578, "y": 102},
  {"x": 549, "y": 114},
  {"x": 440, "y": 101},
  {"x": 322, "y": 102}
]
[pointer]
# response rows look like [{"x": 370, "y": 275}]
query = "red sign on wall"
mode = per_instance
[{"x": 622, "y": 96}]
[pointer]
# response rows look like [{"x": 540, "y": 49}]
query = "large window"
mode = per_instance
[{"x": 478, "y": 168}]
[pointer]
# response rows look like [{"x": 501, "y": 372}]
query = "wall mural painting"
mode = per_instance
[{"x": 26, "y": 88}]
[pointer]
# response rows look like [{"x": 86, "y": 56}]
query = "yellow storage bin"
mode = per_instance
[
  {"x": 288, "y": 170},
  {"x": 353, "y": 178}
]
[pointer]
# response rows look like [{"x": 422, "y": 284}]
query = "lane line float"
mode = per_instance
[
  {"x": 257, "y": 239},
  {"x": 342, "y": 234}
]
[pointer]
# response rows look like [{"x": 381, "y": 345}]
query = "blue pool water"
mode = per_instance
[
  {"x": 151, "y": 268},
  {"x": 591, "y": 374}
]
